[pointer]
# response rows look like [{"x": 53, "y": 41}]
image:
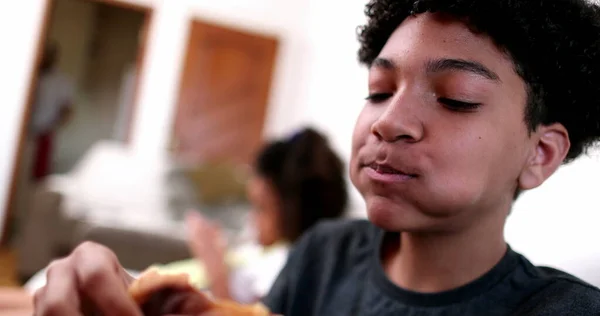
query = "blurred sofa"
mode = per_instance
[
  {"x": 49, "y": 232},
  {"x": 129, "y": 204}
]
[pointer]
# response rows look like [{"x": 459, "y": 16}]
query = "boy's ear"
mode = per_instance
[{"x": 551, "y": 147}]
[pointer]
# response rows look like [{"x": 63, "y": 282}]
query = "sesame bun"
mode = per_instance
[{"x": 164, "y": 294}]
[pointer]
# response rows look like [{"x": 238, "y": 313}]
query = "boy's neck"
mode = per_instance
[{"x": 430, "y": 263}]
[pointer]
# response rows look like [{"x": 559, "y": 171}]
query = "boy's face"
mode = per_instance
[{"x": 442, "y": 141}]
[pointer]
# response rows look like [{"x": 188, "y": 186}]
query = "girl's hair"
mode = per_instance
[{"x": 308, "y": 177}]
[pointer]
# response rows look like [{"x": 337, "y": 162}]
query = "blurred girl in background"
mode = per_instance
[{"x": 295, "y": 183}]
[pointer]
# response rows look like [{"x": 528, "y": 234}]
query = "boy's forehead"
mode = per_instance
[{"x": 429, "y": 36}]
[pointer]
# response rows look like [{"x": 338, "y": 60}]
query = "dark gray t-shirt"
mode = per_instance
[{"x": 335, "y": 270}]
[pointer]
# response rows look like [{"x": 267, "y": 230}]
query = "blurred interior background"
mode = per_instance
[{"x": 170, "y": 100}]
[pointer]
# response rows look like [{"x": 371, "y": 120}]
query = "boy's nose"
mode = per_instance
[{"x": 398, "y": 122}]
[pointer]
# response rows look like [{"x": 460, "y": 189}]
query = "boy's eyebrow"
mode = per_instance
[
  {"x": 383, "y": 63},
  {"x": 445, "y": 64}
]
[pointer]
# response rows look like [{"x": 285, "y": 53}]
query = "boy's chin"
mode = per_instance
[{"x": 395, "y": 218}]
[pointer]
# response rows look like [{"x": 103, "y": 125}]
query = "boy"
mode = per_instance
[{"x": 470, "y": 103}]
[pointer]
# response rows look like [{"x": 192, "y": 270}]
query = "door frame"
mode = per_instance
[{"x": 148, "y": 12}]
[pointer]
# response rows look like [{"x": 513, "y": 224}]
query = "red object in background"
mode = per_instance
[{"x": 43, "y": 155}]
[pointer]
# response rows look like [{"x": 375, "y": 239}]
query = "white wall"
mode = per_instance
[
  {"x": 558, "y": 223},
  {"x": 19, "y": 26}
]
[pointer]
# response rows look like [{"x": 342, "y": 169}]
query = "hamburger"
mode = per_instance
[{"x": 161, "y": 295}]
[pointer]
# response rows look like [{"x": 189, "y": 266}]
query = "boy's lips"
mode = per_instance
[{"x": 383, "y": 172}]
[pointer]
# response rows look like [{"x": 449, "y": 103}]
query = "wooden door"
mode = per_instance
[{"x": 224, "y": 94}]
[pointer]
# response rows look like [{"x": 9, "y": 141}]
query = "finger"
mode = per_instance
[
  {"x": 59, "y": 296},
  {"x": 195, "y": 225},
  {"x": 217, "y": 240},
  {"x": 99, "y": 278},
  {"x": 194, "y": 219},
  {"x": 209, "y": 232},
  {"x": 217, "y": 236},
  {"x": 222, "y": 241}
]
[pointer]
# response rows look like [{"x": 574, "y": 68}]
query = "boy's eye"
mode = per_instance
[
  {"x": 378, "y": 97},
  {"x": 459, "y": 106}
]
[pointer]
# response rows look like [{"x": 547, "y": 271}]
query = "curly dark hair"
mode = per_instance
[
  {"x": 554, "y": 45},
  {"x": 308, "y": 177}
]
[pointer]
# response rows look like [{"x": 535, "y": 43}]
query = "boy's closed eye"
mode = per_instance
[
  {"x": 378, "y": 97},
  {"x": 459, "y": 106},
  {"x": 451, "y": 104}
]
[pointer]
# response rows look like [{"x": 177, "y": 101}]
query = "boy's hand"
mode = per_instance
[{"x": 90, "y": 281}]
